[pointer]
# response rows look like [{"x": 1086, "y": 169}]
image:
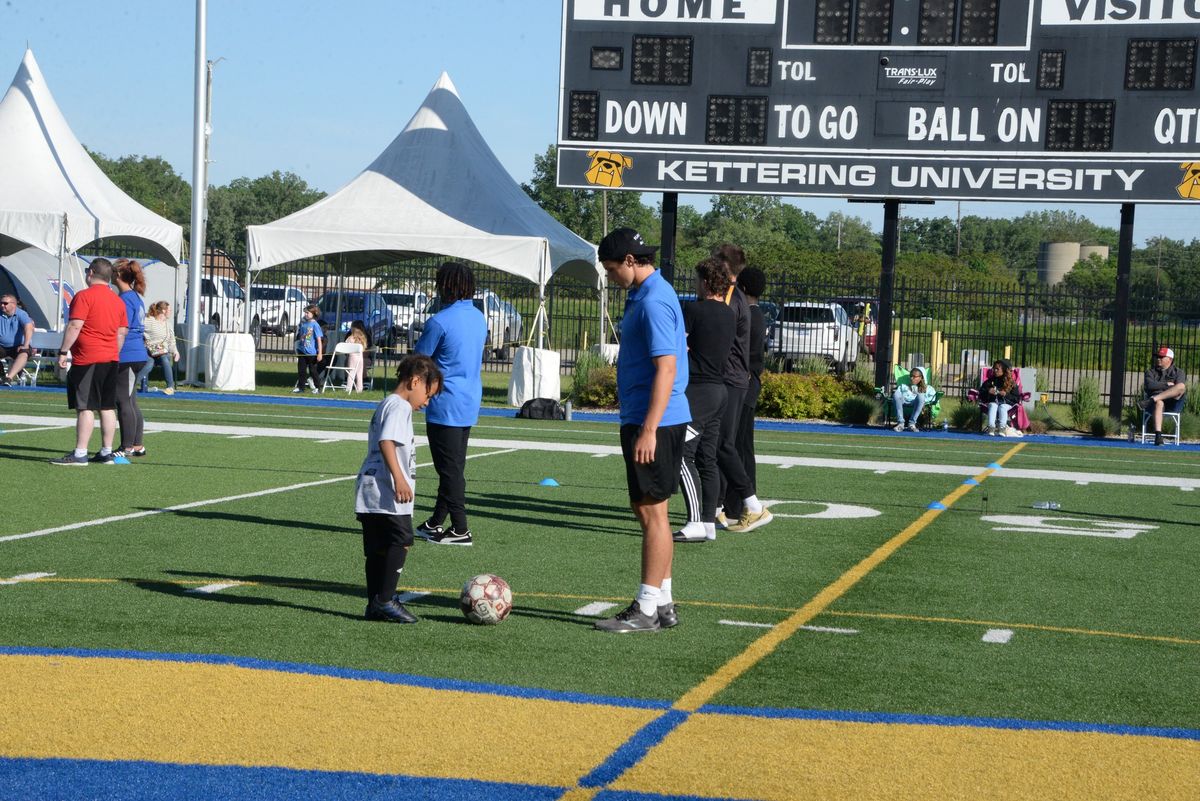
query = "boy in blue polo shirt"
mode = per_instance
[{"x": 652, "y": 379}]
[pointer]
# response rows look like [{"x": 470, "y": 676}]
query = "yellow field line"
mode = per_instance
[
  {"x": 1027, "y": 626},
  {"x": 758, "y": 650}
]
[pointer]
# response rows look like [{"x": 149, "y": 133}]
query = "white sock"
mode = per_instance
[
  {"x": 693, "y": 528},
  {"x": 664, "y": 593},
  {"x": 720, "y": 511},
  {"x": 80, "y": 452},
  {"x": 647, "y": 599},
  {"x": 710, "y": 530},
  {"x": 753, "y": 505},
  {"x": 104, "y": 451}
]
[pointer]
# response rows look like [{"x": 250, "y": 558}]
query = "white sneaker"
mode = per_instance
[
  {"x": 1001, "y": 432},
  {"x": 911, "y": 427},
  {"x": 899, "y": 426}
]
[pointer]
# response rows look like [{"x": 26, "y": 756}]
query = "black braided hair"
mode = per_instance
[{"x": 455, "y": 282}]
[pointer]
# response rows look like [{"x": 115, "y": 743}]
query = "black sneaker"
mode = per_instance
[
  {"x": 103, "y": 458},
  {"x": 71, "y": 460},
  {"x": 451, "y": 537},
  {"x": 5, "y": 381},
  {"x": 630, "y": 620},
  {"x": 390, "y": 612},
  {"x": 428, "y": 530},
  {"x": 667, "y": 619},
  {"x": 1158, "y": 440}
]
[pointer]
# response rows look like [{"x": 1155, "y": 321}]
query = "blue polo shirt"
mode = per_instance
[
  {"x": 12, "y": 328},
  {"x": 454, "y": 338},
  {"x": 652, "y": 326}
]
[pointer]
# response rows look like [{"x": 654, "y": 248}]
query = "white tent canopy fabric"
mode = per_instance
[
  {"x": 53, "y": 196},
  {"x": 436, "y": 189}
]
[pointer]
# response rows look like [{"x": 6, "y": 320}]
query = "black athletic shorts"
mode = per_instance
[
  {"x": 381, "y": 531},
  {"x": 92, "y": 387},
  {"x": 658, "y": 480},
  {"x": 11, "y": 353}
]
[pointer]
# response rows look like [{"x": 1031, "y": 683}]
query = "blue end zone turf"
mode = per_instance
[{"x": 55, "y": 779}]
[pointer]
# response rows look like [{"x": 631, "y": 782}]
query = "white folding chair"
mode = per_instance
[
  {"x": 1176, "y": 410},
  {"x": 342, "y": 350}
]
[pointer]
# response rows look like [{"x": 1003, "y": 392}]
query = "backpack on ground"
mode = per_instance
[{"x": 542, "y": 409}]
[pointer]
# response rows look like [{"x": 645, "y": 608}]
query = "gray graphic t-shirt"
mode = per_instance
[{"x": 375, "y": 492}]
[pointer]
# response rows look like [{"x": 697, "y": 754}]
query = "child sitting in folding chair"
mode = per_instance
[
  {"x": 1000, "y": 392},
  {"x": 912, "y": 396}
]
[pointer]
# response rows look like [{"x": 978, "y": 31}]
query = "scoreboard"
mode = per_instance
[{"x": 1050, "y": 100}]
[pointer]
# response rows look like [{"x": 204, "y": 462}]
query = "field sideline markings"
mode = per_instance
[
  {"x": 704, "y": 692},
  {"x": 207, "y": 502},
  {"x": 998, "y": 636},
  {"x": 910, "y": 468},
  {"x": 25, "y": 577},
  {"x": 1008, "y": 625},
  {"x": 209, "y": 589}
]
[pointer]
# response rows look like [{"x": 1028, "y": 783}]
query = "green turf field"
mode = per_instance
[{"x": 235, "y": 537}]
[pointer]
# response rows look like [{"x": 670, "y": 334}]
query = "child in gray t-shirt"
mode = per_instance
[{"x": 386, "y": 485}]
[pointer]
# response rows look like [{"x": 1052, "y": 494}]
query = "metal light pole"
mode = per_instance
[{"x": 199, "y": 191}]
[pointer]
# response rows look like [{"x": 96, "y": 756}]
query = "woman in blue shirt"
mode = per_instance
[
  {"x": 131, "y": 282},
  {"x": 454, "y": 338}
]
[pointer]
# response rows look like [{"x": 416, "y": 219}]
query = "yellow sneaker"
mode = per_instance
[
  {"x": 750, "y": 520},
  {"x": 722, "y": 521}
]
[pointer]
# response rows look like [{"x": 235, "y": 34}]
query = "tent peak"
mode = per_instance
[{"x": 444, "y": 82}]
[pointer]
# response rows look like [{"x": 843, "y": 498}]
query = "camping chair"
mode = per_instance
[
  {"x": 1172, "y": 409},
  {"x": 343, "y": 349},
  {"x": 900, "y": 375},
  {"x": 1017, "y": 418}
]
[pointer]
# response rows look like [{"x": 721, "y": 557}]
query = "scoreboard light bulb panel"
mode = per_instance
[{"x": 1080, "y": 99}]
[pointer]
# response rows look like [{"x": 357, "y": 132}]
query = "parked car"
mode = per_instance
[
  {"x": 406, "y": 308},
  {"x": 278, "y": 308},
  {"x": 503, "y": 321},
  {"x": 366, "y": 306},
  {"x": 816, "y": 329},
  {"x": 223, "y": 304}
]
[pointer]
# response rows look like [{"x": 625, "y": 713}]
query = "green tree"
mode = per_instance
[
  {"x": 253, "y": 201},
  {"x": 153, "y": 182}
]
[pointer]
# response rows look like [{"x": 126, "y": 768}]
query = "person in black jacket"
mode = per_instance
[
  {"x": 1000, "y": 393},
  {"x": 752, "y": 282},
  {"x": 1163, "y": 384},
  {"x": 744, "y": 512},
  {"x": 709, "y": 323}
]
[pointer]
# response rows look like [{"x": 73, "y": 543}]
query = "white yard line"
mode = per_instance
[
  {"x": 209, "y": 502},
  {"x": 405, "y": 597},
  {"x": 39, "y": 428},
  {"x": 26, "y": 577},
  {"x": 820, "y": 629},
  {"x": 209, "y": 589},
  {"x": 998, "y": 636},
  {"x": 878, "y": 467},
  {"x": 746, "y": 623}
]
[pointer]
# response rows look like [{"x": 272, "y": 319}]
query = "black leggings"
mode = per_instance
[
  {"x": 129, "y": 414},
  {"x": 448, "y": 447},
  {"x": 699, "y": 477},
  {"x": 312, "y": 366}
]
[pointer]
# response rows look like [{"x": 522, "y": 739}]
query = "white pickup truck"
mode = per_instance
[{"x": 823, "y": 330}]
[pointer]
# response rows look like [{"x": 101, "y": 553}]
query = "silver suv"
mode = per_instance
[{"x": 816, "y": 329}]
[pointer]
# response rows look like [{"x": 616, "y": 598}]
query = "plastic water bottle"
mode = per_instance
[
  {"x": 1045, "y": 505},
  {"x": 945, "y": 425},
  {"x": 567, "y": 409}
]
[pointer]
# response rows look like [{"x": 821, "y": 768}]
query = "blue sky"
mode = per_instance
[{"x": 320, "y": 88}]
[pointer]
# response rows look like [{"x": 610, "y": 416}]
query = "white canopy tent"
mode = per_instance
[
  {"x": 53, "y": 196},
  {"x": 436, "y": 189},
  {"x": 32, "y": 274}
]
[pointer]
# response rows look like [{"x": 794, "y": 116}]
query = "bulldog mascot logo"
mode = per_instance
[
  {"x": 1189, "y": 189},
  {"x": 607, "y": 166}
]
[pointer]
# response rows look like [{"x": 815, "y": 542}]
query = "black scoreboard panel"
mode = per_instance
[{"x": 1056, "y": 100}]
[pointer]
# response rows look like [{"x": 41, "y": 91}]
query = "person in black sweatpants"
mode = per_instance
[
  {"x": 752, "y": 282},
  {"x": 710, "y": 327},
  {"x": 744, "y": 512}
]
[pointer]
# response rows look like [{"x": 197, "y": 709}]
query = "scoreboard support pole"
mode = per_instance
[
  {"x": 1116, "y": 391},
  {"x": 887, "y": 285},
  {"x": 666, "y": 251}
]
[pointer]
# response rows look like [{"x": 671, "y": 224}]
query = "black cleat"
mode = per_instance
[
  {"x": 667, "y": 619},
  {"x": 630, "y": 620},
  {"x": 450, "y": 537},
  {"x": 390, "y": 612},
  {"x": 427, "y": 530}
]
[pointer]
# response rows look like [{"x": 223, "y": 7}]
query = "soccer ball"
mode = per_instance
[{"x": 486, "y": 599}]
